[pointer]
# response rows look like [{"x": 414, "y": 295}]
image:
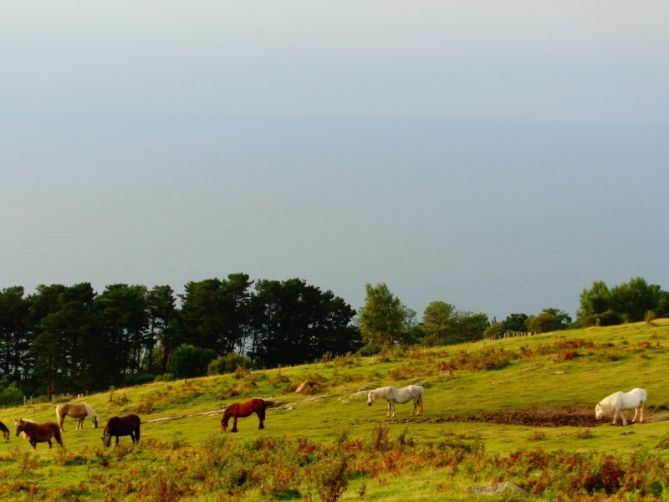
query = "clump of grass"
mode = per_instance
[
  {"x": 278, "y": 379},
  {"x": 584, "y": 434},
  {"x": 567, "y": 355},
  {"x": 312, "y": 384},
  {"x": 380, "y": 440},
  {"x": 27, "y": 461},
  {"x": 331, "y": 476},
  {"x": 537, "y": 436},
  {"x": 487, "y": 359},
  {"x": 238, "y": 389},
  {"x": 117, "y": 398}
]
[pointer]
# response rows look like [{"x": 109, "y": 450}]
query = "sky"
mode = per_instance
[{"x": 499, "y": 156}]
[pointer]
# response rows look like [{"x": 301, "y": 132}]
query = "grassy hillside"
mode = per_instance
[{"x": 484, "y": 402}]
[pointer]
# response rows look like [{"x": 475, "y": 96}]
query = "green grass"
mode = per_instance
[{"x": 533, "y": 375}]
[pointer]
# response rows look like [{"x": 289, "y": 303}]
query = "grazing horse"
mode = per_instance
[
  {"x": 402, "y": 395},
  {"x": 76, "y": 410},
  {"x": 127, "y": 425},
  {"x": 4, "y": 430},
  {"x": 619, "y": 401},
  {"x": 38, "y": 433},
  {"x": 237, "y": 410}
]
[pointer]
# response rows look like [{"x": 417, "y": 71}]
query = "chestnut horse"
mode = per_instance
[
  {"x": 237, "y": 410},
  {"x": 127, "y": 425},
  {"x": 38, "y": 433}
]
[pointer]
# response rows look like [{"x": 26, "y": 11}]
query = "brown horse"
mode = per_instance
[
  {"x": 38, "y": 433},
  {"x": 127, "y": 425},
  {"x": 76, "y": 410},
  {"x": 4, "y": 430},
  {"x": 237, "y": 410}
]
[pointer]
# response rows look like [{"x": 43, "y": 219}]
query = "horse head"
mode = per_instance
[
  {"x": 94, "y": 419},
  {"x": 224, "y": 421},
  {"x": 106, "y": 437},
  {"x": 19, "y": 425},
  {"x": 599, "y": 411},
  {"x": 370, "y": 397}
]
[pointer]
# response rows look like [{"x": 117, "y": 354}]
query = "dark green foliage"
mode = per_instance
[
  {"x": 294, "y": 322},
  {"x": 443, "y": 325},
  {"x": 384, "y": 320},
  {"x": 229, "y": 363},
  {"x": 627, "y": 302},
  {"x": 190, "y": 361},
  {"x": 550, "y": 319},
  {"x": 10, "y": 394},
  {"x": 216, "y": 313}
]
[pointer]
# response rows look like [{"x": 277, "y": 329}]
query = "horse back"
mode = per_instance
[{"x": 122, "y": 425}]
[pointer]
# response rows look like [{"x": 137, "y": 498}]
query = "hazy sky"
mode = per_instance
[{"x": 497, "y": 155}]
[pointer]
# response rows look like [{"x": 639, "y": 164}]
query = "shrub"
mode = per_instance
[
  {"x": 331, "y": 476},
  {"x": 229, "y": 363},
  {"x": 132, "y": 380},
  {"x": 11, "y": 395},
  {"x": 165, "y": 377},
  {"x": 190, "y": 361}
]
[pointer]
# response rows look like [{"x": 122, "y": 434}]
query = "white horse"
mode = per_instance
[
  {"x": 394, "y": 395},
  {"x": 619, "y": 401}
]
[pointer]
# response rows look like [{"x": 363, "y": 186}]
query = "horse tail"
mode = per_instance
[
  {"x": 58, "y": 436},
  {"x": 58, "y": 417}
]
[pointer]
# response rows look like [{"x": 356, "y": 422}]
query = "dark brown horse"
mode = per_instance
[
  {"x": 127, "y": 425},
  {"x": 4, "y": 430},
  {"x": 237, "y": 410},
  {"x": 38, "y": 433}
]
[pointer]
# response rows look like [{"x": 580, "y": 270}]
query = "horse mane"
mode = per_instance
[{"x": 90, "y": 411}]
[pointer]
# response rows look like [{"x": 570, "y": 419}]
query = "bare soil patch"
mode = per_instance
[{"x": 540, "y": 416}]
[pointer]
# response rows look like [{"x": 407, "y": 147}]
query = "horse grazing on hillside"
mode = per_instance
[
  {"x": 127, "y": 425},
  {"x": 4, "y": 430},
  {"x": 237, "y": 410},
  {"x": 38, "y": 433},
  {"x": 617, "y": 402},
  {"x": 76, "y": 410},
  {"x": 402, "y": 395}
]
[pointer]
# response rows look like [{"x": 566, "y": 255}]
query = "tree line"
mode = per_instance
[{"x": 73, "y": 339}]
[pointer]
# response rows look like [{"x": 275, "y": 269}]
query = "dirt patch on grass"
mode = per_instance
[
  {"x": 543, "y": 416},
  {"x": 540, "y": 416}
]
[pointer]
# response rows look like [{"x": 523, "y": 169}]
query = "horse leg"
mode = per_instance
[
  {"x": 33, "y": 443},
  {"x": 636, "y": 412},
  {"x": 49, "y": 441},
  {"x": 234, "y": 425},
  {"x": 389, "y": 408},
  {"x": 622, "y": 414},
  {"x": 261, "y": 419},
  {"x": 116, "y": 440},
  {"x": 642, "y": 409},
  {"x": 392, "y": 405}
]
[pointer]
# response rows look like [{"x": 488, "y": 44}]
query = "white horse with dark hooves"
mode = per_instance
[
  {"x": 617, "y": 402},
  {"x": 398, "y": 395}
]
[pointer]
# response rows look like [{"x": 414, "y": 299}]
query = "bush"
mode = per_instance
[
  {"x": 190, "y": 361},
  {"x": 229, "y": 363},
  {"x": 132, "y": 380},
  {"x": 11, "y": 395}
]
